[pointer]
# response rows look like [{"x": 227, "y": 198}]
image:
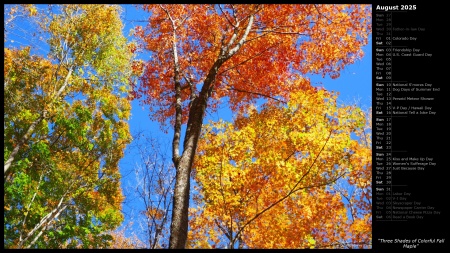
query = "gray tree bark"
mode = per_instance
[{"x": 183, "y": 163}]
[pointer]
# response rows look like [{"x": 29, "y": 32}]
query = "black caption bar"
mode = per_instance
[{"x": 409, "y": 170}]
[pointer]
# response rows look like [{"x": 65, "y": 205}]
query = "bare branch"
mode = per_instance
[
  {"x": 350, "y": 203},
  {"x": 321, "y": 14},
  {"x": 177, "y": 102},
  {"x": 226, "y": 16},
  {"x": 258, "y": 94},
  {"x": 275, "y": 31},
  {"x": 249, "y": 59}
]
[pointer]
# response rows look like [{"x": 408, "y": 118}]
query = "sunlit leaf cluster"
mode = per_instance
[{"x": 280, "y": 177}]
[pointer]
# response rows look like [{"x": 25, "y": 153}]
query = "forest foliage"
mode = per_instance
[{"x": 310, "y": 187}]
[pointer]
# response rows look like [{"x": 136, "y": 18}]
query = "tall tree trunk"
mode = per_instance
[
  {"x": 183, "y": 163},
  {"x": 179, "y": 225}
]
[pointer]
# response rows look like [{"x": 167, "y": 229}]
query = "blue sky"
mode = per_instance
[{"x": 354, "y": 86}]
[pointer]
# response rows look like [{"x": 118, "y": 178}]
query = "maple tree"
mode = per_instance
[
  {"x": 66, "y": 106},
  {"x": 202, "y": 53},
  {"x": 288, "y": 176}
]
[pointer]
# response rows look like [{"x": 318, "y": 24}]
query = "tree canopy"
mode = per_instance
[
  {"x": 65, "y": 127},
  {"x": 308, "y": 185}
]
